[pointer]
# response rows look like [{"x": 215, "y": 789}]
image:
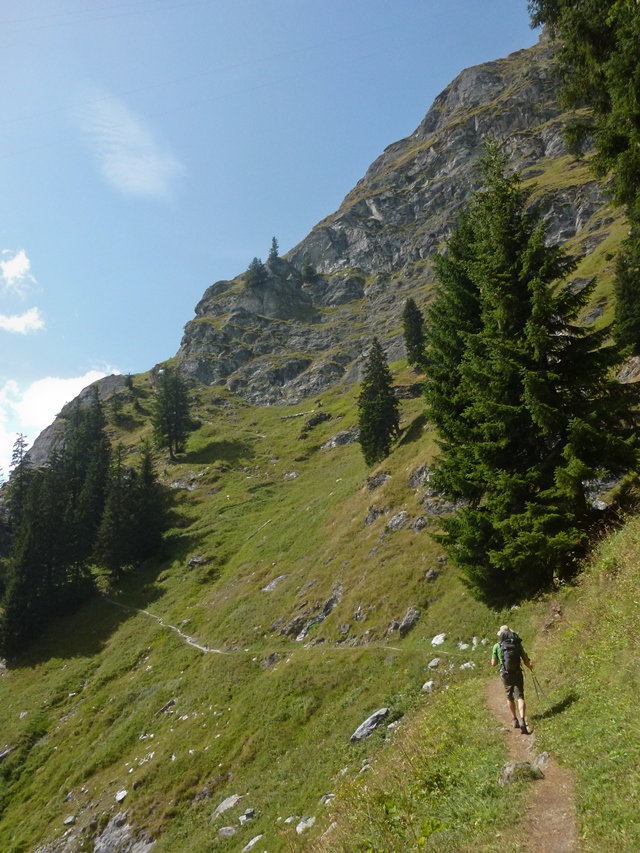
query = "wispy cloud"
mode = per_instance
[
  {"x": 22, "y": 324},
  {"x": 31, "y": 410},
  {"x": 129, "y": 156},
  {"x": 15, "y": 272}
]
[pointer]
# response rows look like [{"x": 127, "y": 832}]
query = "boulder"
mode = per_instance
[
  {"x": 226, "y": 804},
  {"x": 515, "y": 771},
  {"x": 227, "y": 831},
  {"x": 367, "y": 728},
  {"x": 398, "y": 521},
  {"x": 428, "y": 686},
  {"x": 251, "y": 844},
  {"x": 434, "y": 664},
  {"x": 410, "y": 619},
  {"x": 305, "y": 823}
]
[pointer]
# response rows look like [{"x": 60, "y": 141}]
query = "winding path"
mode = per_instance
[
  {"x": 190, "y": 641},
  {"x": 550, "y": 825}
]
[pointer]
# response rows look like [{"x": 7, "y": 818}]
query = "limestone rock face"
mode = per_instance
[{"x": 289, "y": 339}]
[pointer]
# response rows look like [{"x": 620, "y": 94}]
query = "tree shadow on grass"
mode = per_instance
[
  {"x": 86, "y": 630},
  {"x": 231, "y": 452},
  {"x": 414, "y": 431},
  {"x": 547, "y": 710}
]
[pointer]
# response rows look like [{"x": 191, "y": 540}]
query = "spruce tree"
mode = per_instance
[
  {"x": 149, "y": 508},
  {"x": 540, "y": 415},
  {"x": 273, "y": 251},
  {"x": 19, "y": 467},
  {"x": 256, "y": 274},
  {"x": 377, "y": 407},
  {"x": 115, "y": 540},
  {"x": 626, "y": 287},
  {"x": 171, "y": 412},
  {"x": 599, "y": 58},
  {"x": 413, "y": 328}
]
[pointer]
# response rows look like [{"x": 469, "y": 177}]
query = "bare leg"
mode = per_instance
[
  {"x": 522, "y": 707},
  {"x": 512, "y": 708}
]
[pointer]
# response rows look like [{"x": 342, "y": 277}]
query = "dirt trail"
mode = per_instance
[
  {"x": 190, "y": 641},
  {"x": 550, "y": 825}
]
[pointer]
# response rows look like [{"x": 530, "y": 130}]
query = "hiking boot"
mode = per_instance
[
  {"x": 523, "y": 729},
  {"x": 516, "y": 724}
]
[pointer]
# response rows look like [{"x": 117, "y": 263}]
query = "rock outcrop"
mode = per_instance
[{"x": 290, "y": 338}]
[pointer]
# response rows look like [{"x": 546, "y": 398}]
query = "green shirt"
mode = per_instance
[{"x": 497, "y": 653}]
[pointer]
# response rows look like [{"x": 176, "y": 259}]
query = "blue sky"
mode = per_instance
[{"x": 151, "y": 147}]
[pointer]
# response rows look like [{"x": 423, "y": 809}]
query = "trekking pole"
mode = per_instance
[
  {"x": 538, "y": 687},
  {"x": 540, "y": 705}
]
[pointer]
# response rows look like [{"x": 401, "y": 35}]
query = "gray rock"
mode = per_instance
[
  {"x": 274, "y": 583},
  {"x": 374, "y": 481},
  {"x": 118, "y": 836},
  {"x": 344, "y": 437},
  {"x": 419, "y": 524},
  {"x": 227, "y": 831},
  {"x": 431, "y": 575},
  {"x": 428, "y": 686},
  {"x": 327, "y": 799},
  {"x": 401, "y": 519},
  {"x": 515, "y": 771},
  {"x": 226, "y": 804},
  {"x": 373, "y": 514},
  {"x": 251, "y": 844},
  {"x": 367, "y": 728},
  {"x": 419, "y": 476},
  {"x": 410, "y": 619},
  {"x": 305, "y": 823},
  {"x": 434, "y": 664}
]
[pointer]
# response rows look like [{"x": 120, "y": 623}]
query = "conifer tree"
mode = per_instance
[
  {"x": 413, "y": 328},
  {"x": 599, "y": 57},
  {"x": 378, "y": 412},
  {"x": 256, "y": 274},
  {"x": 115, "y": 537},
  {"x": 541, "y": 414},
  {"x": 149, "y": 508},
  {"x": 19, "y": 467},
  {"x": 274, "y": 250},
  {"x": 171, "y": 412},
  {"x": 626, "y": 287}
]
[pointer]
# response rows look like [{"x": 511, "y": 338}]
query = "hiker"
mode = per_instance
[{"x": 509, "y": 653}]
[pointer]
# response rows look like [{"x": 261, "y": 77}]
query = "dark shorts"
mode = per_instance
[{"x": 513, "y": 684}]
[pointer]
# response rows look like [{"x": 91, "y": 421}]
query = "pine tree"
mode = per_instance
[
  {"x": 149, "y": 508},
  {"x": 274, "y": 250},
  {"x": 599, "y": 58},
  {"x": 535, "y": 413},
  {"x": 256, "y": 274},
  {"x": 626, "y": 288},
  {"x": 171, "y": 412},
  {"x": 115, "y": 539},
  {"x": 19, "y": 466},
  {"x": 413, "y": 328},
  {"x": 378, "y": 410}
]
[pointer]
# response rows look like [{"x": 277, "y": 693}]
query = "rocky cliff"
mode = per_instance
[
  {"x": 296, "y": 335},
  {"x": 291, "y": 339}
]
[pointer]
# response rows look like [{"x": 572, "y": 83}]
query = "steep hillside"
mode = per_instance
[
  {"x": 293, "y": 338},
  {"x": 297, "y": 592}
]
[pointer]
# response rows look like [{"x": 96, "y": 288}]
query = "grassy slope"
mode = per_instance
[
  {"x": 91, "y": 689},
  {"x": 79, "y": 703}
]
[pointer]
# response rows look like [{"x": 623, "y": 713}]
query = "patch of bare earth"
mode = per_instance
[{"x": 550, "y": 825}]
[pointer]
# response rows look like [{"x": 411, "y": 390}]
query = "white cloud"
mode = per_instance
[
  {"x": 31, "y": 321},
  {"x": 30, "y": 411},
  {"x": 129, "y": 157},
  {"x": 15, "y": 272}
]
